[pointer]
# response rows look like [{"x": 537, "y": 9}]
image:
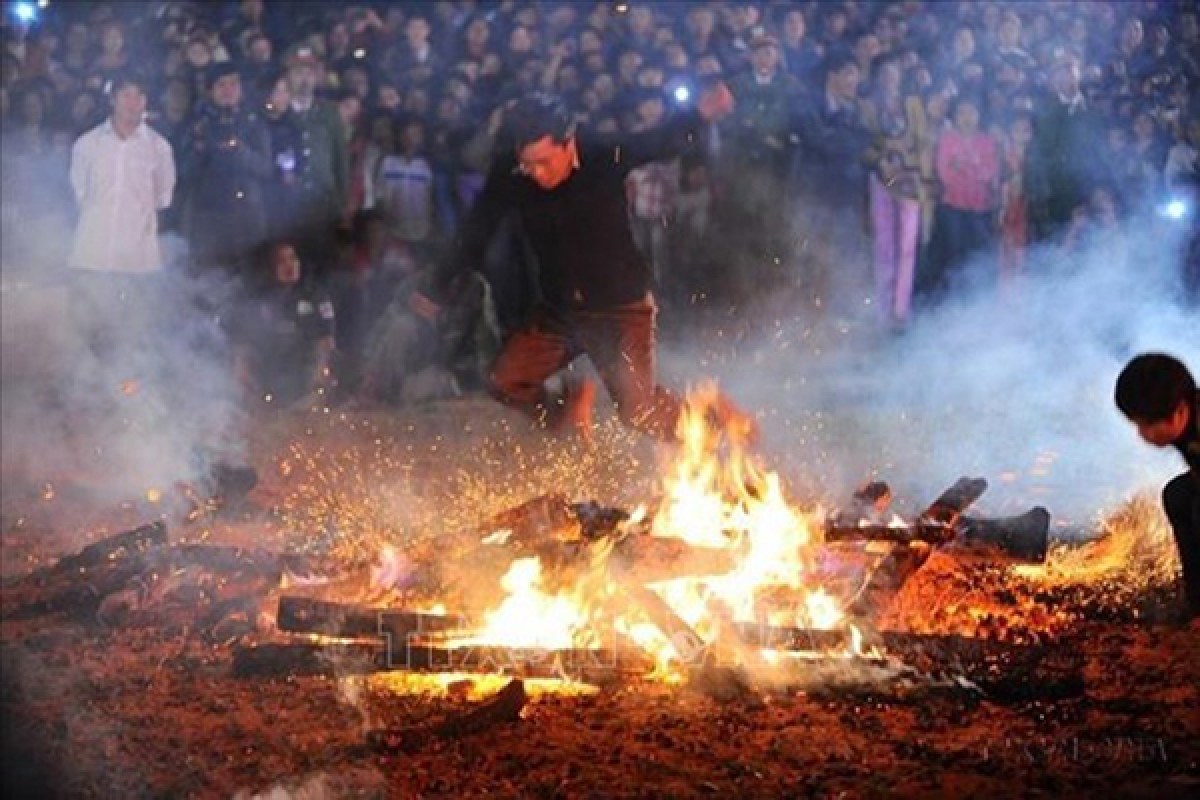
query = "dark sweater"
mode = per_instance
[{"x": 579, "y": 231}]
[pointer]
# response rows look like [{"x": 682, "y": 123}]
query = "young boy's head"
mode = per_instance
[{"x": 1157, "y": 393}]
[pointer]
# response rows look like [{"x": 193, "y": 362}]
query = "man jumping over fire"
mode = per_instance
[
  {"x": 567, "y": 188},
  {"x": 1158, "y": 394}
]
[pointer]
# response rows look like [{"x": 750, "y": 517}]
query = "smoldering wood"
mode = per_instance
[
  {"x": 308, "y": 615},
  {"x": 126, "y": 543},
  {"x": 1025, "y": 537},
  {"x": 503, "y": 708},
  {"x": 369, "y": 655}
]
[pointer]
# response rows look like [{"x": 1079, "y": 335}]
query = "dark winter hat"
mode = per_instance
[{"x": 217, "y": 71}]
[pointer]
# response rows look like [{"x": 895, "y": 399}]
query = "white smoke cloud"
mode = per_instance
[{"x": 1015, "y": 386}]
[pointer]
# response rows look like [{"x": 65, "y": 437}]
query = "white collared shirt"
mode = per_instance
[{"x": 120, "y": 186}]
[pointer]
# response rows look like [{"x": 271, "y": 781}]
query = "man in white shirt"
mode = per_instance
[{"x": 123, "y": 174}]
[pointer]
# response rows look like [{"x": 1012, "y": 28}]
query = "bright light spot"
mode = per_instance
[
  {"x": 1176, "y": 209},
  {"x": 622, "y": 8},
  {"x": 26, "y": 12},
  {"x": 682, "y": 94}
]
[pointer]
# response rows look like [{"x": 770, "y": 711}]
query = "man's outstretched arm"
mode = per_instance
[{"x": 675, "y": 135}]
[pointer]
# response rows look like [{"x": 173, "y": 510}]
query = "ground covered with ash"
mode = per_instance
[{"x": 140, "y": 701}]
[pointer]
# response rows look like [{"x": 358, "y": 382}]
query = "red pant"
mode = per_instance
[{"x": 619, "y": 341}]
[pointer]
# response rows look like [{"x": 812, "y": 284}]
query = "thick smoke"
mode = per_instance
[
  {"x": 121, "y": 423},
  {"x": 1011, "y": 383}
]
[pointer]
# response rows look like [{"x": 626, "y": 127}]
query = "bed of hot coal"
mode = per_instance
[{"x": 122, "y": 678}]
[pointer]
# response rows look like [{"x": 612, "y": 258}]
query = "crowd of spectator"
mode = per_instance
[{"x": 336, "y": 147}]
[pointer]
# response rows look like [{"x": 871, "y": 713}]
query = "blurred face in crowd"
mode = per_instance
[
  {"x": 302, "y": 81},
  {"x": 835, "y": 24},
  {"x": 641, "y": 21},
  {"x": 651, "y": 112},
  {"x": 628, "y": 65},
  {"x": 845, "y": 81},
  {"x": 1189, "y": 28},
  {"x": 589, "y": 42},
  {"x": 866, "y": 48},
  {"x": 1104, "y": 206},
  {"x": 77, "y": 38},
  {"x": 1078, "y": 33},
  {"x": 794, "y": 26},
  {"x": 260, "y": 50},
  {"x": 1117, "y": 140},
  {"x": 1143, "y": 127},
  {"x": 964, "y": 44},
  {"x": 339, "y": 38},
  {"x": 383, "y": 135},
  {"x": 280, "y": 97},
  {"x": 1009, "y": 34},
  {"x": 113, "y": 41},
  {"x": 1021, "y": 131},
  {"x": 765, "y": 59},
  {"x": 491, "y": 65},
  {"x": 1066, "y": 77},
  {"x": 129, "y": 107},
  {"x": 252, "y": 9},
  {"x": 594, "y": 63},
  {"x": 604, "y": 86},
  {"x": 198, "y": 54},
  {"x": 349, "y": 109},
  {"x": 286, "y": 265},
  {"x": 590, "y": 100},
  {"x": 1132, "y": 34},
  {"x": 449, "y": 111},
  {"x": 477, "y": 33},
  {"x": 412, "y": 138},
  {"x": 1160, "y": 38},
  {"x": 83, "y": 107},
  {"x": 548, "y": 162},
  {"x": 651, "y": 77},
  {"x": 417, "y": 101},
  {"x": 701, "y": 22},
  {"x": 389, "y": 98},
  {"x": 676, "y": 56},
  {"x": 966, "y": 117},
  {"x": 520, "y": 41},
  {"x": 355, "y": 79},
  {"x": 417, "y": 32},
  {"x": 936, "y": 105},
  {"x": 227, "y": 91},
  {"x": 569, "y": 80}
]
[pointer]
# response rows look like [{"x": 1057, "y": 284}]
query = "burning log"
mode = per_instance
[
  {"x": 306, "y": 615},
  {"x": 503, "y": 708},
  {"x": 1024, "y": 537}
]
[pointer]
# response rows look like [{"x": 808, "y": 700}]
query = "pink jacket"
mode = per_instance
[{"x": 968, "y": 168}]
